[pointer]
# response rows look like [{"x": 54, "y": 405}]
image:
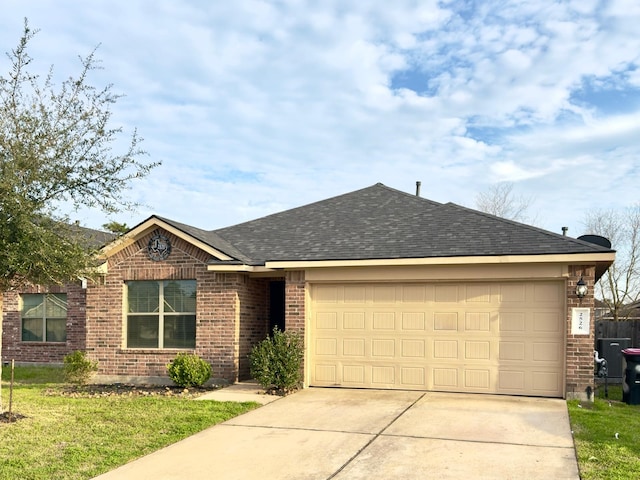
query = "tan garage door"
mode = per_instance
[{"x": 491, "y": 337}]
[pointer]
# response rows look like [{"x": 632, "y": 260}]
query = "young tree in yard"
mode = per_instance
[
  {"x": 620, "y": 285},
  {"x": 55, "y": 150},
  {"x": 499, "y": 200}
]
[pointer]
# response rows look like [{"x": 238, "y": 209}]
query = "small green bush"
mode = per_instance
[
  {"x": 78, "y": 369},
  {"x": 276, "y": 362},
  {"x": 189, "y": 370}
]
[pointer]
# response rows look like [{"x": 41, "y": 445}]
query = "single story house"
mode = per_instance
[{"x": 389, "y": 290}]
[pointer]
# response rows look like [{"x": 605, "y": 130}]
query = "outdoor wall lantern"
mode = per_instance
[{"x": 581, "y": 288}]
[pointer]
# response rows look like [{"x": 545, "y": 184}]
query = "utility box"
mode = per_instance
[
  {"x": 611, "y": 350},
  {"x": 631, "y": 379}
]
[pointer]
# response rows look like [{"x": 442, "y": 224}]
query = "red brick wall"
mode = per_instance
[
  {"x": 295, "y": 301},
  {"x": 295, "y": 304},
  {"x": 218, "y": 307},
  {"x": 13, "y": 348},
  {"x": 579, "y": 348}
]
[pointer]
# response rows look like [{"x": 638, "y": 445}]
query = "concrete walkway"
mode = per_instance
[{"x": 374, "y": 434}]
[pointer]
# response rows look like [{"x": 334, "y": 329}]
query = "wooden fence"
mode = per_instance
[{"x": 622, "y": 329}]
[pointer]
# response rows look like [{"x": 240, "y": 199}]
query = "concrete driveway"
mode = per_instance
[{"x": 373, "y": 434}]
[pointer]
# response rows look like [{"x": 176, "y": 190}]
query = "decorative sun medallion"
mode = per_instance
[{"x": 159, "y": 248}]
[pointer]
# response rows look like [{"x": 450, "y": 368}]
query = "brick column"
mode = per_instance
[
  {"x": 579, "y": 348},
  {"x": 295, "y": 301},
  {"x": 295, "y": 309}
]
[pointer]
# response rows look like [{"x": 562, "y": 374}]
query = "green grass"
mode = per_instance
[
  {"x": 600, "y": 455},
  {"x": 79, "y": 438}
]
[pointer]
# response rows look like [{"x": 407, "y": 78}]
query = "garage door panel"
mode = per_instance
[
  {"x": 547, "y": 293},
  {"x": 513, "y": 293},
  {"x": 477, "y": 379},
  {"x": 445, "y": 379},
  {"x": 383, "y": 375},
  {"x": 414, "y": 294},
  {"x": 446, "y": 294},
  {"x": 478, "y": 293},
  {"x": 327, "y": 321},
  {"x": 353, "y": 347},
  {"x": 325, "y": 374},
  {"x": 445, "y": 321},
  {"x": 413, "y": 321},
  {"x": 354, "y": 374},
  {"x": 445, "y": 349},
  {"x": 550, "y": 352},
  {"x": 413, "y": 348},
  {"x": 412, "y": 376},
  {"x": 512, "y": 380},
  {"x": 477, "y": 322},
  {"x": 477, "y": 350},
  {"x": 354, "y": 294},
  {"x": 512, "y": 322},
  {"x": 546, "y": 322},
  {"x": 489, "y": 337},
  {"x": 384, "y": 321},
  {"x": 546, "y": 382},
  {"x": 381, "y": 348},
  {"x": 514, "y": 351}
]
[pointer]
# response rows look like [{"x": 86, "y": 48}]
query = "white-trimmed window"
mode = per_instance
[
  {"x": 161, "y": 314},
  {"x": 44, "y": 317}
]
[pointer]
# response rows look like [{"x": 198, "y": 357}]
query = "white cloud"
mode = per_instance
[{"x": 256, "y": 106}]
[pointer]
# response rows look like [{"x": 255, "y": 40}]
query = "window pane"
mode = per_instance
[
  {"x": 180, "y": 296},
  {"x": 142, "y": 331},
  {"x": 32, "y": 330},
  {"x": 180, "y": 331},
  {"x": 56, "y": 330},
  {"x": 33, "y": 305},
  {"x": 56, "y": 304},
  {"x": 143, "y": 297}
]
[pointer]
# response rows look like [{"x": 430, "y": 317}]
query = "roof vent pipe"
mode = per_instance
[
  {"x": 418, "y": 188},
  {"x": 565, "y": 230}
]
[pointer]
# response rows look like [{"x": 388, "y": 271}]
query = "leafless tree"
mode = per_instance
[
  {"x": 501, "y": 201},
  {"x": 620, "y": 285}
]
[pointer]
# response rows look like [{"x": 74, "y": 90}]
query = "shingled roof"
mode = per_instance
[{"x": 379, "y": 222}]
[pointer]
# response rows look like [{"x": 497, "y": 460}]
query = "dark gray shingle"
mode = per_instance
[{"x": 379, "y": 222}]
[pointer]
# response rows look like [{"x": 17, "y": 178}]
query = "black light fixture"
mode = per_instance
[{"x": 581, "y": 288}]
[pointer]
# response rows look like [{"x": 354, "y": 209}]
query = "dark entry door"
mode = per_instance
[{"x": 276, "y": 305}]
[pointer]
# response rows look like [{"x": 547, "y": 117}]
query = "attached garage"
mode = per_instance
[{"x": 483, "y": 337}]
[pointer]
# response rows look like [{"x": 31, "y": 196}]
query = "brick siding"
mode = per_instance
[
  {"x": 219, "y": 320},
  {"x": 579, "y": 348},
  {"x": 13, "y": 348}
]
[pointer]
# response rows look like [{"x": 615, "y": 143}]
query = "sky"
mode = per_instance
[{"x": 254, "y": 107}]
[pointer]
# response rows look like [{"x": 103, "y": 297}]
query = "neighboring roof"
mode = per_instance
[
  {"x": 374, "y": 223},
  {"x": 92, "y": 238},
  {"x": 379, "y": 222}
]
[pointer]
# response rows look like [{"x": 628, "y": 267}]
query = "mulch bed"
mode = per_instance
[{"x": 128, "y": 390}]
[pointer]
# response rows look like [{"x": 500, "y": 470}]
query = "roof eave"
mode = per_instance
[{"x": 603, "y": 259}]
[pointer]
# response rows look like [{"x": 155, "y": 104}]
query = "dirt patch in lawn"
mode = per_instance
[{"x": 6, "y": 417}]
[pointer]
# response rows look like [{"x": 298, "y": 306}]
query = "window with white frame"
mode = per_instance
[
  {"x": 44, "y": 317},
  {"x": 161, "y": 314}
]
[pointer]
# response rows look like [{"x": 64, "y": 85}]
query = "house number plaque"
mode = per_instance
[{"x": 580, "y": 321}]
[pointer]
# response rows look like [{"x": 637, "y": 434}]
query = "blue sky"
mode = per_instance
[{"x": 258, "y": 106}]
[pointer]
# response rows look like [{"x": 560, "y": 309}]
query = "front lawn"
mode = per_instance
[
  {"x": 602, "y": 455},
  {"x": 79, "y": 437}
]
